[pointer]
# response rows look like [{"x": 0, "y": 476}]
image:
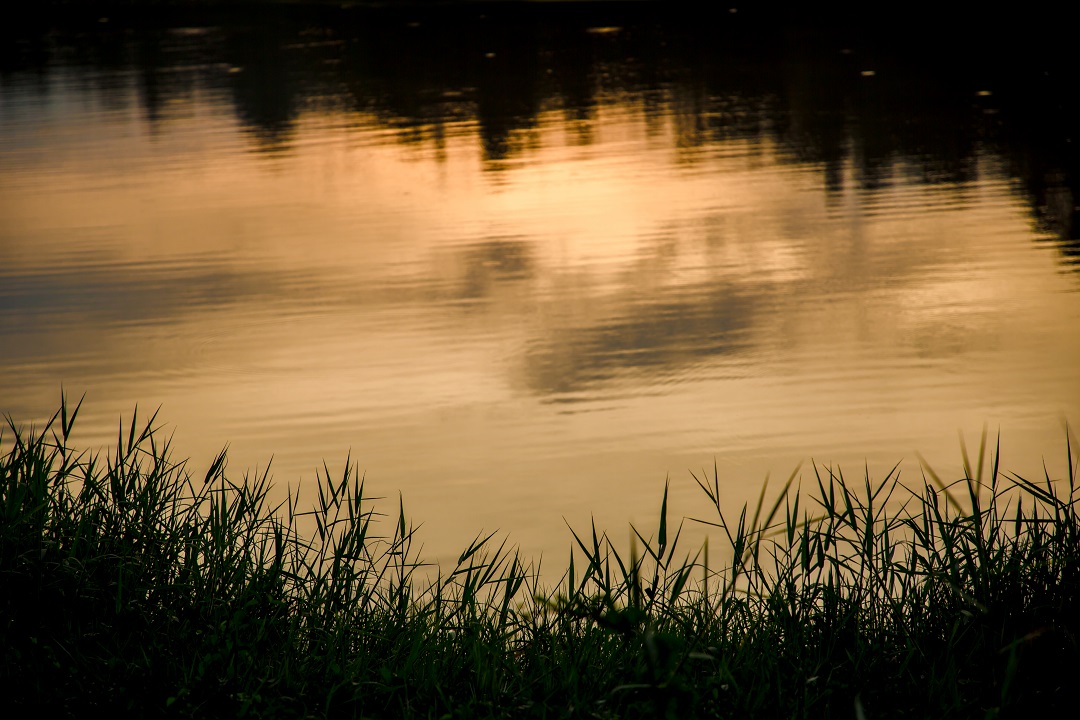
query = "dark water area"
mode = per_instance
[{"x": 528, "y": 259}]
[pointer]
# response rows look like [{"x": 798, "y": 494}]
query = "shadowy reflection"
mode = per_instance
[
  {"x": 504, "y": 258},
  {"x": 40, "y": 313},
  {"x": 262, "y": 84},
  {"x": 508, "y": 99},
  {"x": 931, "y": 99},
  {"x": 655, "y": 335},
  {"x": 151, "y": 61},
  {"x": 494, "y": 261},
  {"x": 171, "y": 65}
]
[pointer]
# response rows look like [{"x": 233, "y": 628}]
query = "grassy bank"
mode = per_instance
[{"x": 127, "y": 585}]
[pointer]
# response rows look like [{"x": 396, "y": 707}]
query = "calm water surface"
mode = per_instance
[{"x": 524, "y": 269}]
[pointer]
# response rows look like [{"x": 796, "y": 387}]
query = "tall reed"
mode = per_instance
[{"x": 127, "y": 585}]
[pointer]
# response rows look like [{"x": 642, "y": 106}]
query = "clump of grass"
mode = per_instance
[{"x": 127, "y": 585}]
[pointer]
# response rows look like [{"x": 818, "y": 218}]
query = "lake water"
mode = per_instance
[{"x": 524, "y": 265}]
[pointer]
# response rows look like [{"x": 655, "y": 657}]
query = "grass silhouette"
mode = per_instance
[{"x": 129, "y": 586}]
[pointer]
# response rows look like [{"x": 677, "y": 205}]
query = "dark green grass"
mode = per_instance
[{"x": 128, "y": 586}]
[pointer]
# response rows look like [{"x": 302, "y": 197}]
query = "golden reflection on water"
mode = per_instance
[{"x": 510, "y": 341}]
